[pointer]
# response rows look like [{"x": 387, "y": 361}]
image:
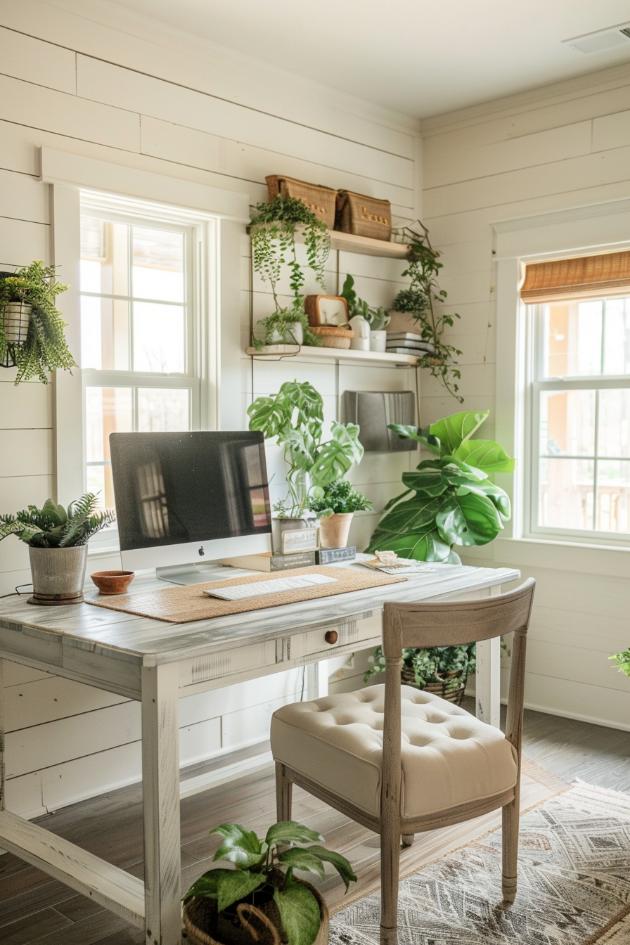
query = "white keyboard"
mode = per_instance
[{"x": 276, "y": 586}]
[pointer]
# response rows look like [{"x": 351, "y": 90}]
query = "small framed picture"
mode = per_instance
[{"x": 326, "y": 310}]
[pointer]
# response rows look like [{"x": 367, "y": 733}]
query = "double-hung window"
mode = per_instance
[
  {"x": 144, "y": 325},
  {"x": 578, "y": 410}
]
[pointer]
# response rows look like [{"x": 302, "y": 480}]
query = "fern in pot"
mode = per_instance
[
  {"x": 261, "y": 900},
  {"x": 57, "y": 538},
  {"x": 335, "y": 506},
  {"x": 31, "y": 326}
]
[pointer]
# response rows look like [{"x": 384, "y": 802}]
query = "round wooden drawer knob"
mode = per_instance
[{"x": 331, "y": 636}]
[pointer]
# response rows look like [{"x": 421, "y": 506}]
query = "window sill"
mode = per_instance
[{"x": 541, "y": 553}]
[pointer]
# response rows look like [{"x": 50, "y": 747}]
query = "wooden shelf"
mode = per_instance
[
  {"x": 307, "y": 352},
  {"x": 364, "y": 245}
]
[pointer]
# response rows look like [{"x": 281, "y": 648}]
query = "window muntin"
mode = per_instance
[
  {"x": 139, "y": 331},
  {"x": 579, "y": 408}
]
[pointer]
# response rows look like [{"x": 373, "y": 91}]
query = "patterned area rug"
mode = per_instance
[{"x": 574, "y": 884}]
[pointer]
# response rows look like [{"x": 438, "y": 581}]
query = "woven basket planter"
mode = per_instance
[
  {"x": 265, "y": 929},
  {"x": 452, "y": 687}
]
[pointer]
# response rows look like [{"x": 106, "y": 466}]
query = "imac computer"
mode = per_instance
[{"x": 185, "y": 499}]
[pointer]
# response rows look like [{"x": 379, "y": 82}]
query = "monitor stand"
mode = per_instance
[{"x": 191, "y": 573}]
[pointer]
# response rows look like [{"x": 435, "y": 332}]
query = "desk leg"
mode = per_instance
[
  {"x": 160, "y": 786},
  {"x": 488, "y": 679}
]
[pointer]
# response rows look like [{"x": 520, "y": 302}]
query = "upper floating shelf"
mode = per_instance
[{"x": 364, "y": 245}]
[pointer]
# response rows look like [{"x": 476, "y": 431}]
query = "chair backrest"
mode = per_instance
[{"x": 450, "y": 623}]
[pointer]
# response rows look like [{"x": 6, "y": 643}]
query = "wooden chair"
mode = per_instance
[{"x": 435, "y": 764}]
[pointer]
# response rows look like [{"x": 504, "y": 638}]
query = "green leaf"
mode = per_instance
[
  {"x": 335, "y": 457},
  {"x": 234, "y": 885},
  {"x": 454, "y": 430},
  {"x": 495, "y": 493},
  {"x": 340, "y": 863},
  {"x": 486, "y": 455},
  {"x": 409, "y": 529},
  {"x": 268, "y": 416},
  {"x": 205, "y": 887},
  {"x": 469, "y": 520},
  {"x": 299, "y": 912},
  {"x": 288, "y": 831},
  {"x": 300, "y": 859},
  {"x": 429, "y": 482},
  {"x": 241, "y": 847}
]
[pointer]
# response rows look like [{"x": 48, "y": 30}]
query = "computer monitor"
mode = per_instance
[{"x": 189, "y": 498}]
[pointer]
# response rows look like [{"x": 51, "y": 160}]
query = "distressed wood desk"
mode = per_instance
[{"x": 156, "y": 663}]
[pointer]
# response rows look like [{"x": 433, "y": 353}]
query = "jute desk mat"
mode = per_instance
[{"x": 184, "y": 604}]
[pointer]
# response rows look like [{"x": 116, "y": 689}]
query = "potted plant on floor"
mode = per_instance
[
  {"x": 260, "y": 900},
  {"x": 31, "y": 326},
  {"x": 294, "y": 418},
  {"x": 274, "y": 232},
  {"x": 335, "y": 505},
  {"x": 57, "y": 538},
  {"x": 443, "y": 670},
  {"x": 419, "y": 309}
]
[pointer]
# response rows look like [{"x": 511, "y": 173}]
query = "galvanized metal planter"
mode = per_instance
[{"x": 58, "y": 574}]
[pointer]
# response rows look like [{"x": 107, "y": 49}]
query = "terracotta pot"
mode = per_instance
[
  {"x": 402, "y": 321},
  {"x": 200, "y": 937},
  {"x": 112, "y": 582},
  {"x": 334, "y": 530},
  {"x": 58, "y": 574}
]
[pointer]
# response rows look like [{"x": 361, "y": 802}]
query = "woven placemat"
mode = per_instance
[{"x": 184, "y": 604}]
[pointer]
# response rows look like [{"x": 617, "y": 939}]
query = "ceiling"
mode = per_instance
[{"x": 415, "y": 56}]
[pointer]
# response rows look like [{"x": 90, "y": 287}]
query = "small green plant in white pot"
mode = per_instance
[
  {"x": 335, "y": 506},
  {"x": 260, "y": 900},
  {"x": 294, "y": 418},
  {"x": 57, "y": 538},
  {"x": 375, "y": 316}
]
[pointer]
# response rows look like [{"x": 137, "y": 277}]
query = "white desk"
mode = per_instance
[{"x": 156, "y": 663}]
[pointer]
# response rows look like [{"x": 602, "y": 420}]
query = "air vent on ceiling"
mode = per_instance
[{"x": 601, "y": 40}]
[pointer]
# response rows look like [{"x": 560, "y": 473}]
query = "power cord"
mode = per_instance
[{"x": 17, "y": 591}]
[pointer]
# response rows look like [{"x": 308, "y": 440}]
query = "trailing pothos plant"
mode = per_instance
[
  {"x": 447, "y": 665},
  {"x": 294, "y": 418},
  {"x": 423, "y": 300},
  {"x": 273, "y": 233},
  {"x": 262, "y": 884},
  {"x": 45, "y": 348},
  {"x": 450, "y": 499},
  {"x": 283, "y": 323}
]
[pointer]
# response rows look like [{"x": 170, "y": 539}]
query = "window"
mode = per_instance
[
  {"x": 578, "y": 418},
  {"x": 143, "y": 318}
]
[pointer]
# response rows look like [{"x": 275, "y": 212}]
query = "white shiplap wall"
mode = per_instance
[
  {"x": 561, "y": 147},
  {"x": 147, "y": 99}
]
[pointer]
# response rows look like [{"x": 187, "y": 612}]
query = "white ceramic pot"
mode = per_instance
[
  {"x": 334, "y": 530},
  {"x": 378, "y": 340},
  {"x": 296, "y": 336},
  {"x": 58, "y": 574},
  {"x": 360, "y": 334},
  {"x": 16, "y": 317}
]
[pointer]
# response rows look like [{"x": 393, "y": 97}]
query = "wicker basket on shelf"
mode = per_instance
[
  {"x": 332, "y": 337},
  {"x": 320, "y": 200},
  {"x": 452, "y": 687},
  {"x": 363, "y": 216}
]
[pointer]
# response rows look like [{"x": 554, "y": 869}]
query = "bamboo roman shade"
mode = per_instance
[{"x": 581, "y": 278}]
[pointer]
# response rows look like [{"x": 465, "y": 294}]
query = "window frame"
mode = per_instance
[{"x": 536, "y": 384}]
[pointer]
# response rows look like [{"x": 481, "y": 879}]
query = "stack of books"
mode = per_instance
[
  {"x": 267, "y": 561},
  {"x": 408, "y": 342}
]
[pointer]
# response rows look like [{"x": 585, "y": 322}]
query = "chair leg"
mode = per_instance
[
  {"x": 390, "y": 864},
  {"x": 407, "y": 839},
  {"x": 511, "y": 815},
  {"x": 284, "y": 793}
]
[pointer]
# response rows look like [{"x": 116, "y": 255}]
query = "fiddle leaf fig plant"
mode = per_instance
[
  {"x": 294, "y": 418},
  {"x": 449, "y": 499},
  {"x": 263, "y": 878}
]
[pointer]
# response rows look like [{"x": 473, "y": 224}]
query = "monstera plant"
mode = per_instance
[
  {"x": 450, "y": 499},
  {"x": 294, "y": 417}
]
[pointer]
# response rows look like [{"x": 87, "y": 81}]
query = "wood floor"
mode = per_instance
[{"x": 35, "y": 909}]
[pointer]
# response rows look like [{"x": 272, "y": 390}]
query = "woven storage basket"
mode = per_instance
[
  {"x": 332, "y": 337},
  {"x": 451, "y": 688},
  {"x": 363, "y": 216},
  {"x": 198, "y": 937},
  {"x": 320, "y": 200}
]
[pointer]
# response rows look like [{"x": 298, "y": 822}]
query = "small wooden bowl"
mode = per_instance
[{"x": 112, "y": 582}]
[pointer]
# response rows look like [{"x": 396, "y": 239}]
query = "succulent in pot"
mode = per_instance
[
  {"x": 57, "y": 538},
  {"x": 260, "y": 899},
  {"x": 335, "y": 506},
  {"x": 31, "y": 326}
]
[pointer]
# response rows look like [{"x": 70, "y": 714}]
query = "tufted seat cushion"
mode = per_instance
[{"x": 448, "y": 756}]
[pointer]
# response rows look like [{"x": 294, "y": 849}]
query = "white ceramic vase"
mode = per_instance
[
  {"x": 360, "y": 334},
  {"x": 296, "y": 338},
  {"x": 378, "y": 340}
]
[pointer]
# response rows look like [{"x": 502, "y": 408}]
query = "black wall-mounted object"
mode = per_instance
[{"x": 373, "y": 411}]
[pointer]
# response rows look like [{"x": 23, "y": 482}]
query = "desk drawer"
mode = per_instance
[{"x": 353, "y": 632}]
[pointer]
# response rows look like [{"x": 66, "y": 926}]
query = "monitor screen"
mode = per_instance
[{"x": 175, "y": 488}]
